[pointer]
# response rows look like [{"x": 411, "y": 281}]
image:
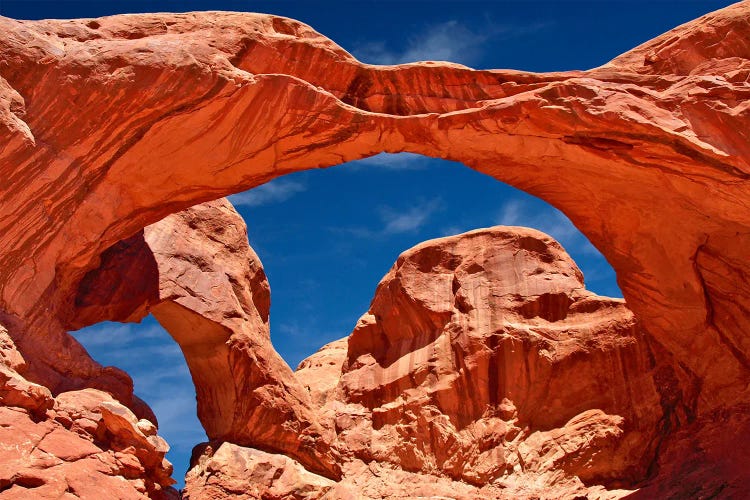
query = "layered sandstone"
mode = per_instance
[
  {"x": 481, "y": 350},
  {"x": 109, "y": 125},
  {"x": 482, "y": 369},
  {"x": 206, "y": 286}
]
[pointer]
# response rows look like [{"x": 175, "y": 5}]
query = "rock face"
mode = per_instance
[
  {"x": 206, "y": 286},
  {"x": 482, "y": 369},
  {"x": 80, "y": 444},
  {"x": 476, "y": 346},
  {"x": 110, "y": 125},
  {"x": 231, "y": 471}
]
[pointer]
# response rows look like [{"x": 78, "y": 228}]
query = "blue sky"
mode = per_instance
[{"x": 326, "y": 237}]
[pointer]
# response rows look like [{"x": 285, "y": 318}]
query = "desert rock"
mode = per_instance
[
  {"x": 108, "y": 126},
  {"x": 77, "y": 445}
]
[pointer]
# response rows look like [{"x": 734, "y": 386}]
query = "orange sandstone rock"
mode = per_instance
[
  {"x": 235, "y": 472},
  {"x": 81, "y": 444},
  {"x": 206, "y": 286},
  {"x": 483, "y": 369},
  {"x": 109, "y": 125},
  {"x": 478, "y": 344}
]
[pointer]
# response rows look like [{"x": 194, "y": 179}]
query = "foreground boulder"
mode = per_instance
[{"x": 80, "y": 444}]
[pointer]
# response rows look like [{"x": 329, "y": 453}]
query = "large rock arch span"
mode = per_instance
[{"x": 108, "y": 125}]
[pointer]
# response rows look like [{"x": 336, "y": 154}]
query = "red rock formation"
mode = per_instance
[
  {"x": 482, "y": 369},
  {"x": 214, "y": 300},
  {"x": 196, "y": 272},
  {"x": 91, "y": 111},
  {"x": 206, "y": 286},
  {"x": 80, "y": 444},
  {"x": 231, "y": 471},
  {"x": 476, "y": 345}
]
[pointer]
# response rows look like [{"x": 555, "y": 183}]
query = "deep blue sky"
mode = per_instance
[{"x": 327, "y": 237}]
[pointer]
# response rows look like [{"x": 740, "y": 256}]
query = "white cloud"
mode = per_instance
[
  {"x": 548, "y": 220},
  {"x": 453, "y": 230},
  {"x": 450, "y": 41},
  {"x": 394, "y": 221},
  {"x": 446, "y": 41},
  {"x": 408, "y": 221},
  {"x": 390, "y": 161},
  {"x": 275, "y": 191},
  {"x": 173, "y": 408},
  {"x": 113, "y": 336},
  {"x": 511, "y": 213},
  {"x": 375, "y": 53}
]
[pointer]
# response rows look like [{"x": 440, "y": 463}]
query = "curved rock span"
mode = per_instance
[{"x": 648, "y": 156}]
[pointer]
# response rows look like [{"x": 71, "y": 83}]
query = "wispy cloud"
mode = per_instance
[
  {"x": 125, "y": 345},
  {"x": 115, "y": 335},
  {"x": 391, "y": 161},
  {"x": 453, "y": 230},
  {"x": 407, "y": 221},
  {"x": 276, "y": 191},
  {"x": 547, "y": 220},
  {"x": 446, "y": 41},
  {"x": 395, "y": 221}
]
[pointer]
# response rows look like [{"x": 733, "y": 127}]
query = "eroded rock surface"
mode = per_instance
[
  {"x": 109, "y": 125},
  {"x": 206, "y": 286},
  {"x": 481, "y": 350},
  {"x": 80, "y": 444},
  {"x": 229, "y": 471},
  {"x": 482, "y": 369}
]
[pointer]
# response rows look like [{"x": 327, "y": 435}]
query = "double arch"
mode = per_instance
[{"x": 646, "y": 155}]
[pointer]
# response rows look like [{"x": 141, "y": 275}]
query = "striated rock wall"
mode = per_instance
[
  {"x": 483, "y": 369},
  {"x": 206, "y": 286},
  {"x": 477, "y": 344},
  {"x": 241, "y": 98},
  {"x": 109, "y": 125}
]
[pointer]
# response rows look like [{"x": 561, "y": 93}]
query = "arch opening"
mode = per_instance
[
  {"x": 161, "y": 378},
  {"x": 326, "y": 238}
]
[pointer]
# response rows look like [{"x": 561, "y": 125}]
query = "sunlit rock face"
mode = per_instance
[
  {"x": 483, "y": 368},
  {"x": 108, "y": 126},
  {"x": 206, "y": 286},
  {"x": 480, "y": 349},
  {"x": 79, "y": 444}
]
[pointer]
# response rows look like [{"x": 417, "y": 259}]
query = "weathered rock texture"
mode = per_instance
[
  {"x": 478, "y": 344},
  {"x": 109, "y": 125},
  {"x": 80, "y": 444},
  {"x": 482, "y": 369},
  {"x": 206, "y": 286}
]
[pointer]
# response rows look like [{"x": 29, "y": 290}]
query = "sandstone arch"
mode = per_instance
[
  {"x": 647, "y": 155},
  {"x": 486, "y": 342},
  {"x": 209, "y": 291}
]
